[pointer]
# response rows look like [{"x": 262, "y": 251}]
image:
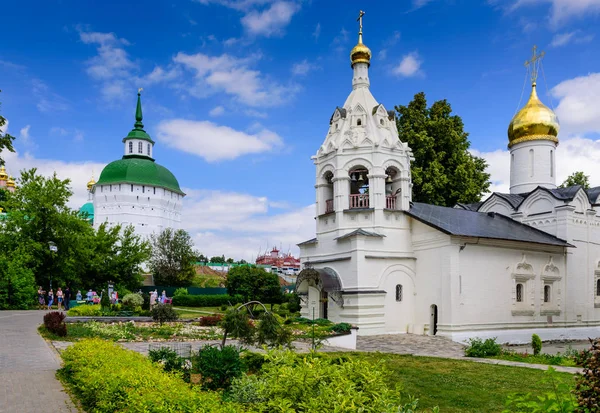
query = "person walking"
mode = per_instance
[
  {"x": 79, "y": 297},
  {"x": 153, "y": 295},
  {"x": 50, "y": 299},
  {"x": 41, "y": 298},
  {"x": 59, "y": 298},
  {"x": 163, "y": 297},
  {"x": 67, "y": 298}
]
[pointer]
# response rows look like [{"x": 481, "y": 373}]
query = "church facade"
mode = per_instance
[
  {"x": 135, "y": 190},
  {"x": 517, "y": 263}
]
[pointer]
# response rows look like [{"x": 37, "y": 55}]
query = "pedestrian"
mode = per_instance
[
  {"x": 67, "y": 298},
  {"x": 152, "y": 299},
  {"x": 59, "y": 298},
  {"x": 78, "y": 297},
  {"x": 50, "y": 299},
  {"x": 163, "y": 297},
  {"x": 90, "y": 296},
  {"x": 41, "y": 299}
]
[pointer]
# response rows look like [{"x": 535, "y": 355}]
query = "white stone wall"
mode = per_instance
[{"x": 532, "y": 164}]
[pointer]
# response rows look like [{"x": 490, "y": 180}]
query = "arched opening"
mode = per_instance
[
  {"x": 381, "y": 122},
  {"x": 433, "y": 319},
  {"x": 531, "y": 162},
  {"x": 359, "y": 187},
  {"x": 519, "y": 293},
  {"x": 148, "y": 149},
  {"x": 547, "y": 293},
  {"x": 328, "y": 192},
  {"x": 399, "y": 292},
  {"x": 130, "y": 147},
  {"x": 598, "y": 288},
  {"x": 551, "y": 163},
  {"x": 392, "y": 188},
  {"x": 358, "y": 122}
]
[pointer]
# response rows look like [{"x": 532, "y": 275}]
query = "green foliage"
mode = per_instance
[
  {"x": 341, "y": 328},
  {"x": 536, "y": 344},
  {"x": 170, "y": 361},
  {"x": 173, "y": 256},
  {"x": 443, "y": 172},
  {"x": 271, "y": 333},
  {"x": 164, "y": 313},
  {"x": 180, "y": 292},
  {"x": 293, "y": 301},
  {"x": 217, "y": 367},
  {"x": 54, "y": 322},
  {"x": 17, "y": 280},
  {"x": 108, "y": 378},
  {"x": 304, "y": 383},
  {"x": 549, "y": 359},
  {"x": 6, "y": 140},
  {"x": 576, "y": 178},
  {"x": 587, "y": 389},
  {"x": 559, "y": 399},
  {"x": 480, "y": 348},
  {"x": 204, "y": 300},
  {"x": 132, "y": 301},
  {"x": 254, "y": 284},
  {"x": 85, "y": 311},
  {"x": 105, "y": 301},
  {"x": 236, "y": 323}
]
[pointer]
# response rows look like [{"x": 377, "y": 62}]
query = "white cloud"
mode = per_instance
[
  {"x": 302, "y": 68},
  {"x": 48, "y": 101},
  {"x": 231, "y": 75},
  {"x": 217, "y": 111},
  {"x": 409, "y": 66},
  {"x": 271, "y": 21},
  {"x": 562, "y": 39},
  {"x": 214, "y": 142},
  {"x": 317, "y": 31},
  {"x": 562, "y": 10},
  {"x": 389, "y": 42},
  {"x": 578, "y": 110},
  {"x": 417, "y": 4},
  {"x": 76, "y": 134},
  {"x": 24, "y": 133},
  {"x": 340, "y": 41}
]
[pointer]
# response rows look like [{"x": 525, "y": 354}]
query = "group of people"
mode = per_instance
[
  {"x": 154, "y": 298},
  {"x": 47, "y": 299}
]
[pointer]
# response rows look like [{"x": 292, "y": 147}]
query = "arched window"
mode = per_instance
[
  {"x": 328, "y": 191},
  {"x": 148, "y": 149},
  {"x": 140, "y": 147},
  {"x": 399, "y": 292},
  {"x": 598, "y": 287},
  {"x": 519, "y": 293},
  {"x": 547, "y": 294},
  {"x": 358, "y": 122},
  {"x": 359, "y": 188},
  {"x": 531, "y": 162},
  {"x": 381, "y": 122},
  {"x": 551, "y": 163},
  {"x": 130, "y": 147}
]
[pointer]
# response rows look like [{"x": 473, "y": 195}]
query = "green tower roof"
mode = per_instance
[
  {"x": 87, "y": 210},
  {"x": 138, "y": 131}
]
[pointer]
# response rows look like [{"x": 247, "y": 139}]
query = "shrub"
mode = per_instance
[
  {"x": 271, "y": 333},
  {"x": 204, "y": 300},
  {"x": 211, "y": 321},
  {"x": 224, "y": 307},
  {"x": 587, "y": 388},
  {"x": 108, "y": 378},
  {"x": 146, "y": 298},
  {"x": 293, "y": 301},
  {"x": 217, "y": 367},
  {"x": 180, "y": 291},
  {"x": 341, "y": 328},
  {"x": 559, "y": 399},
  {"x": 581, "y": 357},
  {"x": 105, "y": 301},
  {"x": 170, "y": 361},
  {"x": 85, "y": 311},
  {"x": 164, "y": 313},
  {"x": 131, "y": 301},
  {"x": 252, "y": 362},
  {"x": 536, "y": 344},
  {"x": 54, "y": 322},
  {"x": 479, "y": 348}
]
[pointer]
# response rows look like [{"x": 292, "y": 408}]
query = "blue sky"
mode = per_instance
[{"x": 238, "y": 94}]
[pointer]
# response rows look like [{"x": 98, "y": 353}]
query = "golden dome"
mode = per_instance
[
  {"x": 11, "y": 182},
  {"x": 3, "y": 174},
  {"x": 535, "y": 121},
  {"x": 360, "y": 53},
  {"x": 90, "y": 184}
]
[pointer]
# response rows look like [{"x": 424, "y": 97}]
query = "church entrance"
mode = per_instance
[
  {"x": 433, "y": 319},
  {"x": 324, "y": 301}
]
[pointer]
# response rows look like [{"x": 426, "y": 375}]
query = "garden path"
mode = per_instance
[{"x": 28, "y": 366}]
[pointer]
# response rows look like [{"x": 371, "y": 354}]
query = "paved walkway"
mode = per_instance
[{"x": 28, "y": 366}]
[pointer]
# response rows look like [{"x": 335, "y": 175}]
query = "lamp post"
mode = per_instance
[{"x": 53, "y": 248}]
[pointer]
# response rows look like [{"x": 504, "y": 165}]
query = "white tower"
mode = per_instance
[
  {"x": 533, "y": 137},
  {"x": 363, "y": 186}
]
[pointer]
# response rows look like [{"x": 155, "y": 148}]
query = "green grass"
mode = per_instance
[
  {"x": 195, "y": 312},
  {"x": 547, "y": 359},
  {"x": 456, "y": 385}
]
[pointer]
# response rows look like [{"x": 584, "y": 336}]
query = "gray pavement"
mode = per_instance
[{"x": 28, "y": 366}]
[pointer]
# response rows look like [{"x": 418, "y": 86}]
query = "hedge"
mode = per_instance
[
  {"x": 206, "y": 300},
  {"x": 108, "y": 378}
]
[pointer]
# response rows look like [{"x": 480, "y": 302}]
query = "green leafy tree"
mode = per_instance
[
  {"x": 218, "y": 260},
  {"x": 253, "y": 284},
  {"x": 576, "y": 178},
  {"x": 6, "y": 140},
  {"x": 173, "y": 257},
  {"x": 443, "y": 172}
]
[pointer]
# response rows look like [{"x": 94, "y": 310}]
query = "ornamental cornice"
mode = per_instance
[{"x": 530, "y": 138}]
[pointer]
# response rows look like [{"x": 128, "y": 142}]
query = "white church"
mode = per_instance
[
  {"x": 516, "y": 264},
  {"x": 135, "y": 190}
]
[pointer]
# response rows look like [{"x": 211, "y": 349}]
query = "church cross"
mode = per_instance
[
  {"x": 535, "y": 64},
  {"x": 359, "y": 20}
]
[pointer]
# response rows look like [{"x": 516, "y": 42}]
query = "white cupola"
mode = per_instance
[{"x": 137, "y": 142}]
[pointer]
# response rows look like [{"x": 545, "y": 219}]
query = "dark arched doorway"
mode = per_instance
[{"x": 433, "y": 319}]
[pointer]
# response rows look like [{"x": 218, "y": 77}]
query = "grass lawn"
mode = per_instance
[
  {"x": 195, "y": 312},
  {"x": 456, "y": 385}
]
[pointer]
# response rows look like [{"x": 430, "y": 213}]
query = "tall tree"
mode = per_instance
[
  {"x": 173, "y": 257},
  {"x": 443, "y": 172},
  {"x": 576, "y": 178},
  {"x": 6, "y": 140},
  {"x": 254, "y": 283}
]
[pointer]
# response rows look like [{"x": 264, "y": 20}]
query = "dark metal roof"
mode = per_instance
[
  {"x": 456, "y": 221},
  {"x": 513, "y": 199},
  {"x": 342, "y": 113},
  {"x": 593, "y": 193},
  {"x": 329, "y": 279},
  {"x": 359, "y": 231},
  {"x": 469, "y": 207}
]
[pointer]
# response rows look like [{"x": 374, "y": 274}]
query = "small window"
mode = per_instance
[
  {"x": 519, "y": 293},
  {"x": 110, "y": 188},
  {"x": 130, "y": 147},
  {"x": 547, "y": 293},
  {"x": 131, "y": 187},
  {"x": 101, "y": 189},
  {"x": 148, "y": 149},
  {"x": 381, "y": 121},
  {"x": 140, "y": 147},
  {"x": 399, "y": 292},
  {"x": 143, "y": 189},
  {"x": 598, "y": 288},
  {"x": 154, "y": 190},
  {"x": 358, "y": 122}
]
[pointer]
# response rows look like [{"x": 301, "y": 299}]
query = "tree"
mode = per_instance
[
  {"x": 443, "y": 172},
  {"x": 6, "y": 140},
  {"x": 253, "y": 284},
  {"x": 576, "y": 178},
  {"x": 218, "y": 260},
  {"x": 173, "y": 257}
]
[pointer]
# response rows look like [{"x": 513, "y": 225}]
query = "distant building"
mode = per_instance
[
  {"x": 6, "y": 182},
  {"x": 282, "y": 264}
]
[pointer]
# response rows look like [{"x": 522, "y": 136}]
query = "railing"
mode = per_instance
[
  {"x": 359, "y": 201},
  {"x": 390, "y": 202},
  {"x": 329, "y": 206}
]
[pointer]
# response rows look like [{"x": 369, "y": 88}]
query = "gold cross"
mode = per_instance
[
  {"x": 535, "y": 64},
  {"x": 140, "y": 90},
  {"x": 359, "y": 20}
]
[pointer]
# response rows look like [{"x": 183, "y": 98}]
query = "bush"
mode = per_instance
[
  {"x": 224, "y": 307},
  {"x": 105, "y": 301},
  {"x": 131, "y": 301},
  {"x": 170, "y": 361},
  {"x": 559, "y": 399},
  {"x": 146, "y": 298},
  {"x": 54, "y": 322},
  {"x": 164, "y": 313},
  {"x": 204, "y": 300},
  {"x": 217, "y": 367},
  {"x": 479, "y": 348},
  {"x": 587, "y": 388},
  {"x": 108, "y": 378},
  {"x": 180, "y": 291},
  {"x": 85, "y": 311},
  {"x": 293, "y": 301},
  {"x": 211, "y": 321},
  {"x": 536, "y": 344},
  {"x": 341, "y": 328}
]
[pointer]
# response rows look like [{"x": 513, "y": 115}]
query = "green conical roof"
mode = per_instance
[{"x": 138, "y": 131}]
